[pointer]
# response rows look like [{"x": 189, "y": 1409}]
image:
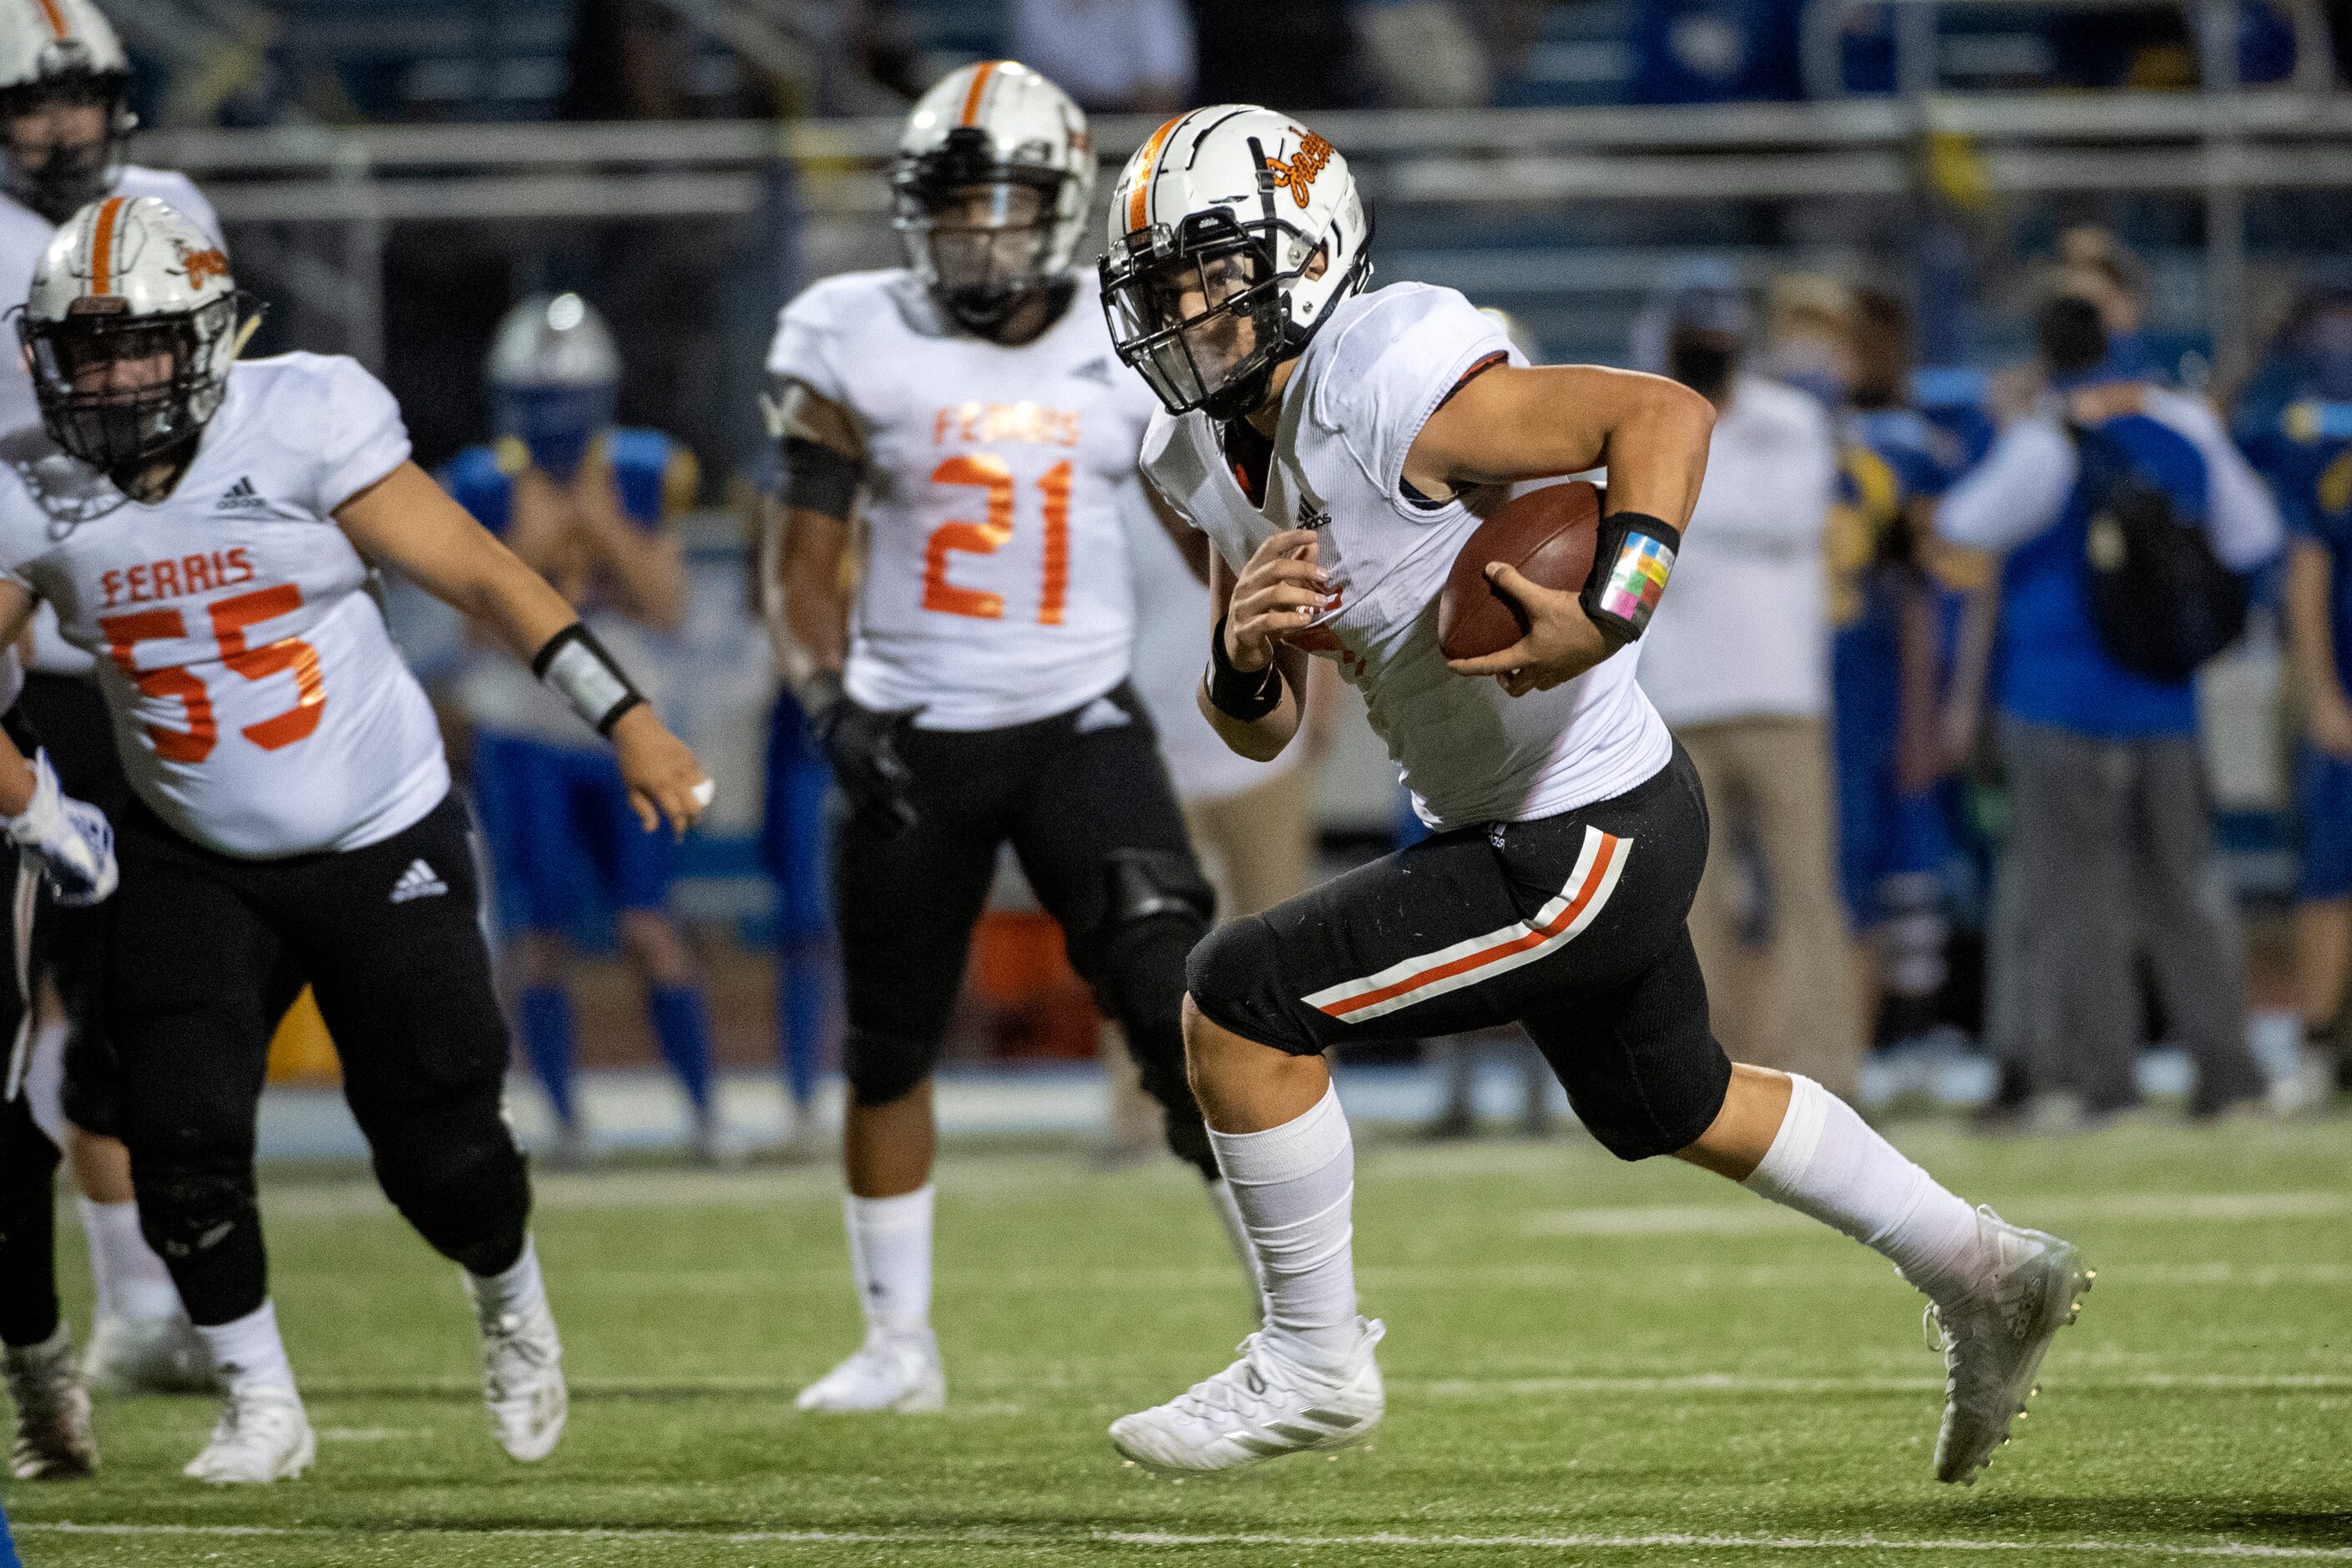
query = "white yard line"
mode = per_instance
[{"x": 1036, "y": 1539}]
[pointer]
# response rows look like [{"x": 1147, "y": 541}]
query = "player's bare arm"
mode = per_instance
[
  {"x": 1276, "y": 595},
  {"x": 407, "y": 521},
  {"x": 1511, "y": 423},
  {"x": 805, "y": 594}
]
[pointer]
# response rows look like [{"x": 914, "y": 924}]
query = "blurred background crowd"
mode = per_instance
[{"x": 1967, "y": 281}]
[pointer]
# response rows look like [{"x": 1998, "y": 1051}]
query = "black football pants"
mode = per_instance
[{"x": 206, "y": 953}]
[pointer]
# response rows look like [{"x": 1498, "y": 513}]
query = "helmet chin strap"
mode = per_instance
[{"x": 1056, "y": 292}]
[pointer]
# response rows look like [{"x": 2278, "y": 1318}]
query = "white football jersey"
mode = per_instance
[
  {"x": 24, "y": 235},
  {"x": 259, "y": 704},
  {"x": 1367, "y": 384},
  {"x": 994, "y": 588}
]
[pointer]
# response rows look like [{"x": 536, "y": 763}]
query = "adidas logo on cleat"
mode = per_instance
[
  {"x": 417, "y": 882},
  {"x": 240, "y": 497}
]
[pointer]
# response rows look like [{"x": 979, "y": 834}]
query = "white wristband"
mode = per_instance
[{"x": 575, "y": 666}]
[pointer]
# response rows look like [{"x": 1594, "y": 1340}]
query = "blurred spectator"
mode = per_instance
[
  {"x": 2295, "y": 423},
  {"x": 2110, "y": 840},
  {"x": 1897, "y": 600},
  {"x": 626, "y": 61},
  {"x": 2091, "y": 264},
  {"x": 1424, "y": 54},
  {"x": 1300, "y": 55},
  {"x": 1120, "y": 56},
  {"x": 584, "y": 502},
  {"x": 1737, "y": 661}
]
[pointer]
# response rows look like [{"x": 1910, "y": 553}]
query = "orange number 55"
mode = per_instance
[
  {"x": 990, "y": 473},
  {"x": 230, "y": 617}
]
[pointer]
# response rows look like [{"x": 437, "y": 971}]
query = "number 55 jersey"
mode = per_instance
[
  {"x": 259, "y": 704},
  {"x": 994, "y": 585}
]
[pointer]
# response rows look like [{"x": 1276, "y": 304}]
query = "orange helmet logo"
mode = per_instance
[
  {"x": 1299, "y": 175},
  {"x": 202, "y": 266}
]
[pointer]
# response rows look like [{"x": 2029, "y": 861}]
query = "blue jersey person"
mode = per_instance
[
  {"x": 1896, "y": 605},
  {"x": 585, "y": 503},
  {"x": 2295, "y": 422}
]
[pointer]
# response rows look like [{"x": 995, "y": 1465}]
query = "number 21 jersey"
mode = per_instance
[
  {"x": 259, "y": 706},
  {"x": 994, "y": 586}
]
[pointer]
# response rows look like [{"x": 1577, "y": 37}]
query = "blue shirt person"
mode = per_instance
[
  {"x": 2296, "y": 424},
  {"x": 585, "y": 503}
]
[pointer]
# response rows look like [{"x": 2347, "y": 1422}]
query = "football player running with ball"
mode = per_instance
[
  {"x": 209, "y": 528},
  {"x": 975, "y": 692},
  {"x": 1571, "y": 830}
]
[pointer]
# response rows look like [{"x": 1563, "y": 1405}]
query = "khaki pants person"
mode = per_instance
[
  {"x": 1258, "y": 849},
  {"x": 1768, "y": 783}
]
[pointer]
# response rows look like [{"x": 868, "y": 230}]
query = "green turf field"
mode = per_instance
[{"x": 1587, "y": 1362}]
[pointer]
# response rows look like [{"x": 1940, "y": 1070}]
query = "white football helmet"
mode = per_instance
[
  {"x": 60, "y": 51},
  {"x": 1215, "y": 226},
  {"x": 989, "y": 188},
  {"x": 130, "y": 331}
]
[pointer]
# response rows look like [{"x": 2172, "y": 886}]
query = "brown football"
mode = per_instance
[{"x": 1549, "y": 534}]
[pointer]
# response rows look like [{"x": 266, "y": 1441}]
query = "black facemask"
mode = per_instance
[{"x": 1703, "y": 365}]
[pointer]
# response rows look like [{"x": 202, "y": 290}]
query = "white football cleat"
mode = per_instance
[
  {"x": 522, "y": 1379},
  {"x": 263, "y": 1434},
  {"x": 130, "y": 1356},
  {"x": 893, "y": 1370},
  {"x": 1994, "y": 1344},
  {"x": 53, "y": 1437},
  {"x": 1263, "y": 1407}
]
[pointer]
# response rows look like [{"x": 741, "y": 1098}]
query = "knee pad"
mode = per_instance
[
  {"x": 193, "y": 1209},
  {"x": 1155, "y": 909},
  {"x": 885, "y": 1068},
  {"x": 455, "y": 1175}
]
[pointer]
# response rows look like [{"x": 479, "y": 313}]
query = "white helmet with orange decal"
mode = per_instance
[
  {"x": 989, "y": 188},
  {"x": 63, "y": 119},
  {"x": 130, "y": 330},
  {"x": 1213, "y": 274}
]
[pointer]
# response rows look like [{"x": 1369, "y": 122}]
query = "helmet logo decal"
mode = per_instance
[
  {"x": 54, "y": 17},
  {"x": 1299, "y": 175},
  {"x": 202, "y": 266}
]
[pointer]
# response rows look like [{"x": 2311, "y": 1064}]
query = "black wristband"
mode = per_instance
[
  {"x": 1631, "y": 562},
  {"x": 576, "y": 666},
  {"x": 1247, "y": 696}
]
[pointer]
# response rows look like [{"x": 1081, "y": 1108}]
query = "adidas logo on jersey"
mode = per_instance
[
  {"x": 240, "y": 497},
  {"x": 1094, "y": 370},
  {"x": 417, "y": 882},
  {"x": 1312, "y": 516}
]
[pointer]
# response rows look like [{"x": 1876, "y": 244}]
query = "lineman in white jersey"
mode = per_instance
[
  {"x": 975, "y": 693},
  {"x": 1571, "y": 830},
  {"x": 63, "y": 125},
  {"x": 210, "y": 528}
]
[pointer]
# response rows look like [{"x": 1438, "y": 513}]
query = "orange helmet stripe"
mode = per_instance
[
  {"x": 101, "y": 247},
  {"x": 1139, "y": 194},
  {"x": 978, "y": 91},
  {"x": 55, "y": 18}
]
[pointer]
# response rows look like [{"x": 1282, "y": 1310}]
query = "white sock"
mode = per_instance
[
  {"x": 247, "y": 1353},
  {"x": 518, "y": 1292},
  {"x": 1229, "y": 1214},
  {"x": 1827, "y": 1162},
  {"x": 130, "y": 1279},
  {"x": 1295, "y": 1188},
  {"x": 890, "y": 1259}
]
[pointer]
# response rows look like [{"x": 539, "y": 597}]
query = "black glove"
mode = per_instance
[{"x": 863, "y": 747}]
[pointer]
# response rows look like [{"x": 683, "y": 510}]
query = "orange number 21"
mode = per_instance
[{"x": 990, "y": 473}]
